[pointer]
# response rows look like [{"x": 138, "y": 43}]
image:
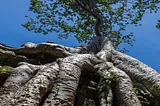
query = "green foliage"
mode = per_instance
[
  {"x": 158, "y": 24},
  {"x": 5, "y": 69},
  {"x": 67, "y": 18},
  {"x": 108, "y": 80},
  {"x": 113, "y": 77}
]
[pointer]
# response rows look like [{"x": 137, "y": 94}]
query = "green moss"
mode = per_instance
[{"x": 5, "y": 69}]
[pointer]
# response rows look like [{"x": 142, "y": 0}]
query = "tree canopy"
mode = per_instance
[{"x": 67, "y": 17}]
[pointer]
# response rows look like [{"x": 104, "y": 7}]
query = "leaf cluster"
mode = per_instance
[{"x": 66, "y": 18}]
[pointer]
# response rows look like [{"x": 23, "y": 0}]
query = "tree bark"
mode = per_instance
[
  {"x": 139, "y": 71},
  {"x": 50, "y": 74}
]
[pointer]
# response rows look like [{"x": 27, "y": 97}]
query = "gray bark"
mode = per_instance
[
  {"x": 49, "y": 74},
  {"x": 15, "y": 81},
  {"x": 68, "y": 78},
  {"x": 139, "y": 71},
  {"x": 122, "y": 84}
]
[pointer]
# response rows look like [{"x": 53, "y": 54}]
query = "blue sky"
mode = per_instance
[{"x": 12, "y": 15}]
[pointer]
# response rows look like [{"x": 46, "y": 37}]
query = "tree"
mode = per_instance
[
  {"x": 79, "y": 17},
  {"x": 50, "y": 74}
]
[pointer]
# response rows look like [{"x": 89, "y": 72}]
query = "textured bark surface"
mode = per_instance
[
  {"x": 121, "y": 83},
  {"x": 49, "y": 74},
  {"x": 139, "y": 71}
]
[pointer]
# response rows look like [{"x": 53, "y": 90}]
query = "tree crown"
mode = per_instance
[{"x": 68, "y": 17}]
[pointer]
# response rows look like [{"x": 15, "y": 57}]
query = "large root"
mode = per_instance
[
  {"x": 19, "y": 77},
  {"x": 33, "y": 91},
  {"x": 56, "y": 83},
  {"x": 121, "y": 83},
  {"x": 139, "y": 71}
]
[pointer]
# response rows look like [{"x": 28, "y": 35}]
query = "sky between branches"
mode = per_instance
[{"x": 12, "y": 15}]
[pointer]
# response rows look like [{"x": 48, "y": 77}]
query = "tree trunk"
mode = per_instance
[{"x": 49, "y": 74}]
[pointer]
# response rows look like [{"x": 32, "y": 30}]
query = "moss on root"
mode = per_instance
[
  {"x": 5, "y": 69},
  {"x": 4, "y": 72}
]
